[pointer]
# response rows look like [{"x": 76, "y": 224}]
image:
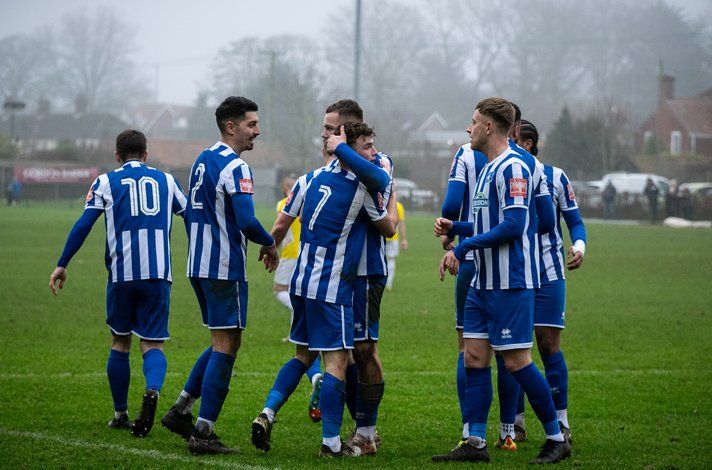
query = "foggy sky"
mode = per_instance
[{"x": 177, "y": 41}]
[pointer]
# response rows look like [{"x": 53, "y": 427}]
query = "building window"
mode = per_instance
[{"x": 675, "y": 141}]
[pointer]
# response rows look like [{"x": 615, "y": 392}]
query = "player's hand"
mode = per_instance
[
  {"x": 270, "y": 257},
  {"x": 404, "y": 245},
  {"x": 442, "y": 226},
  {"x": 59, "y": 274},
  {"x": 448, "y": 263},
  {"x": 447, "y": 242},
  {"x": 574, "y": 259},
  {"x": 334, "y": 140}
]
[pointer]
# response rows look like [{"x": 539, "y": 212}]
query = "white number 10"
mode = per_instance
[
  {"x": 327, "y": 194},
  {"x": 138, "y": 195}
]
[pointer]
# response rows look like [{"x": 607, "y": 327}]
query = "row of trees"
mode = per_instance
[{"x": 417, "y": 57}]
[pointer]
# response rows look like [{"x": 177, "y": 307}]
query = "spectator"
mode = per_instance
[
  {"x": 652, "y": 192},
  {"x": 685, "y": 204},
  {"x": 609, "y": 200},
  {"x": 671, "y": 202},
  {"x": 13, "y": 192}
]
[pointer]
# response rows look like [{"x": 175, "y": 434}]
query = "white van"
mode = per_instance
[{"x": 631, "y": 183}]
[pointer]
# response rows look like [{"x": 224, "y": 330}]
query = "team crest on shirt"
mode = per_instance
[
  {"x": 518, "y": 187},
  {"x": 570, "y": 189},
  {"x": 479, "y": 201},
  {"x": 246, "y": 185}
]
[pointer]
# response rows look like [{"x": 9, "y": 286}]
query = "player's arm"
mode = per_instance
[
  {"x": 247, "y": 222},
  {"x": 281, "y": 227},
  {"x": 385, "y": 220},
  {"x": 454, "y": 196},
  {"x": 75, "y": 240},
  {"x": 180, "y": 201},
  {"x": 372, "y": 176},
  {"x": 544, "y": 207},
  {"x": 510, "y": 228},
  {"x": 574, "y": 222}
]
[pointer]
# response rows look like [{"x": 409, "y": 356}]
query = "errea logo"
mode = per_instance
[
  {"x": 358, "y": 326},
  {"x": 506, "y": 333}
]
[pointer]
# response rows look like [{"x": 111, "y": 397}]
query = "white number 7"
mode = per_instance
[{"x": 327, "y": 194}]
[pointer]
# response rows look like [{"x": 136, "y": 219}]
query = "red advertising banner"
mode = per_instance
[{"x": 43, "y": 174}]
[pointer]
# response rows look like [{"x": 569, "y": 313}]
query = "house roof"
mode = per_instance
[
  {"x": 693, "y": 113},
  {"x": 182, "y": 153},
  {"x": 60, "y": 126}
]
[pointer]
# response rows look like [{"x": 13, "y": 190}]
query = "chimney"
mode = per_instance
[{"x": 665, "y": 89}]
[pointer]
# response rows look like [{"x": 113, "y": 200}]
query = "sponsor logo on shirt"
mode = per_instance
[
  {"x": 480, "y": 201},
  {"x": 246, "y": 185},
  {"x": 518, "y": 187},
  {"x": 570, "y": 189}
]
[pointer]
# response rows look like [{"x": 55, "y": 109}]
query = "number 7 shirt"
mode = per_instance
[{"x": 332, "y": 239}]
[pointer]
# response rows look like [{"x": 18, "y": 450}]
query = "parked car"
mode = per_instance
[
  {"x": 631, "y": 183},
  {"x": 699, "y": 190},
  {"x": 409, "y": 193}
]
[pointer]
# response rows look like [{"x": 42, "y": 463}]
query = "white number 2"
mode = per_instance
[
  {"x": 138, "y": 195},
  {"x": 199, "y": 172},
  {"x": 327, "y": 194}
]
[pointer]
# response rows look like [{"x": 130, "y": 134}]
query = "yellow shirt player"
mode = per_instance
[
  {"x": 290, "y": 250},
  {"x": 393, "y": 246}
]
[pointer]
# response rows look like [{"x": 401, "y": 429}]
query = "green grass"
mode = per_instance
[{"x": 638, "y": 343}]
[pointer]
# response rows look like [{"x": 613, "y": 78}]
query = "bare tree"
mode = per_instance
[
  {"x": 94, "y": 60},
  {"x": 25, "y": 61}
]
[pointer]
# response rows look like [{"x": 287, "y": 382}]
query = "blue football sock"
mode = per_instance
[
  {"x": 461, "y": 385},
  {"x": 286, "y": 382},
  {"x": 216, "y": 384},
  {"x": 118, "y": 370},
  {"x": 351, "y": 389},
  {"x": 154, "y": 369},
  {"x": 194, "y": 384},
  {"x": 508, "y": 392},
  {"x": 479, "y": 399},
  {"x": 331, "y": 401},
  {"x": 520, "y": 401},
  {"x": 367, "y": 402},
  {"x": 537, "y": 390},
  {"x": 314, "y": 369},
  {"x": 557, "y": 374}
]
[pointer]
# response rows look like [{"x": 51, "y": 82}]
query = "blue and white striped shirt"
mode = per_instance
[
  {"x": 373, "y": 258},
  {"x": 552, "y": 243},
  {"x": 466, "y": 167},
  {"x": 217, "y": 249},
  {"x": 332, "y": 239},
  {"x": 506, "y": 182},
  {"x": 138, "y": 202}
]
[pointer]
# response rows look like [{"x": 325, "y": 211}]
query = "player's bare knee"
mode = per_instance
[
  {"x": 121, "y": 343},
  {"x": 548, "y": 340},
  {"x": 335, "y": 363},
  {"x": 147, "y": 345},
  {"x": 305, "y": 356},
  {"x": 516, "y": 359},
  {"x": 226, "y": 341}
]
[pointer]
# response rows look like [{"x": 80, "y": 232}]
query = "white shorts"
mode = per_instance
[
  {"x": 284, "y": 271},
  {"x": 392, "y": 248}
]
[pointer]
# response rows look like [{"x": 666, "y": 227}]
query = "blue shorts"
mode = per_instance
[
  {"x": 321, "y": 326},
  {"x": 464, "y": 278},
  {"x": 550, "y": 304},
  {"x": 504, "y": 317},
  {"x": 139, "y": 307},
  {"x": 368, "y": 292},
  {"x": 223, "y": 304}
]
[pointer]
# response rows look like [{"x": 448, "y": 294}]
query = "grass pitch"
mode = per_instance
[{"x": 638, "y": 344}]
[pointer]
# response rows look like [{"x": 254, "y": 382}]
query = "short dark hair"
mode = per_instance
[
  {"x": 130, "y": 143},
  {"x": 517, "y": 112},
  {"x": 499, "y": 110},
  {"x": 233, "y": 107},
  {"x": 354, "y": 130},
  {"x": 528, "y": 131},
  {"x": 348, "y": 109}
]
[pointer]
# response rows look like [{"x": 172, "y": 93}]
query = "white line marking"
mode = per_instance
[
  {"x": 153, "y": 454},
  {"x": 399, "y": 373}
]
